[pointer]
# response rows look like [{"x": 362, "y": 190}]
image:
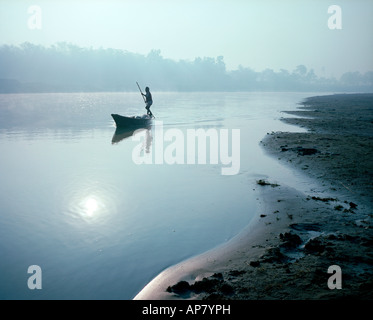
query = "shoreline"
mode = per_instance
[{"x": 285, "y": 252}]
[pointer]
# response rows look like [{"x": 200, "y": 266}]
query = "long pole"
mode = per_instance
[{"x": 140, "y": 91}]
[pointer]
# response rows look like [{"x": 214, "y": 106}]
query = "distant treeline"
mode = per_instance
[{"x": 68, "y": 68}]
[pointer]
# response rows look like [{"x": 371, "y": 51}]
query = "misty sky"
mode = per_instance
[{"x": 256, "y": 34}]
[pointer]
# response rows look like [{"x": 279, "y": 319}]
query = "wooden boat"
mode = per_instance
[{"x": 131, "y": 122}]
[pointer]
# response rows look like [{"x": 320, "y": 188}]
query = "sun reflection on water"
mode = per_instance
[
  {"x": 88, "y": 201},
  {"x": 90, "y": 206}
]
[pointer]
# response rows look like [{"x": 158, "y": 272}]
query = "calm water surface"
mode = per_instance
[{"x": 73, "y": 201}]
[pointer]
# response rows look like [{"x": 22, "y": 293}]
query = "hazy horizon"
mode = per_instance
[
  {"x": 68, "y": 68},
  {"x": 252, "y": 34}
]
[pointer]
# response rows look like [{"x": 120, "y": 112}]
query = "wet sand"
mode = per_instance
[{"x": 286, "y": 252}]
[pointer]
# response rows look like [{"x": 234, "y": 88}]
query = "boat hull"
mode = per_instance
[{"x": 131, "y": 122}]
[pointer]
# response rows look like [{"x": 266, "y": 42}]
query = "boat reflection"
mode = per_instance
[{"x": 124, "y": 133}]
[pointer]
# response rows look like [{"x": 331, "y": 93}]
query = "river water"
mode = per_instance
[{"x": 75, "y": 201}]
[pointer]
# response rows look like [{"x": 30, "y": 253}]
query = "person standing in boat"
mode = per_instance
[{"x": 148, "y": 101}]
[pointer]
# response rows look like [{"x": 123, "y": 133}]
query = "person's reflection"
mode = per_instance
[{"x": 148, "y": 140}]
